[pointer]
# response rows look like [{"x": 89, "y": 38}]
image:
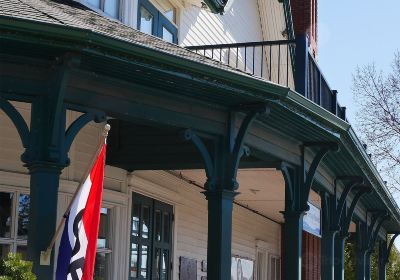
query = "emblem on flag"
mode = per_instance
[{"x": 77, "y": 251}]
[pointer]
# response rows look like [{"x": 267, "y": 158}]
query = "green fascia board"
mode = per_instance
[{"x": 79, "y": 39}]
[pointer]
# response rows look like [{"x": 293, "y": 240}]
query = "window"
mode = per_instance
[
  {"x": 151, "y": 239},
  {"x": 274, "y": 268},
  {"x": 158, "y": 21},
  {"x": 109, "y": 7},
  {"x": 102, "y": 269},
  {"x": 14, "y": 220}
]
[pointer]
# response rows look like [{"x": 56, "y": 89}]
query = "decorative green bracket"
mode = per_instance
[
  {"x": 307, "y": 177},
  {"x": 17, "y": 120},
  {"x": 221, "y": 166}
]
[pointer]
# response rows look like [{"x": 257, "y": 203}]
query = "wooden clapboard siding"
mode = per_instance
[
  {"x": 191, "y": 219},
  {"x": 201, "y": 27}
]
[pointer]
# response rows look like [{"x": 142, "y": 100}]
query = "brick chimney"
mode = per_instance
[{"x": 305, "y": 14}]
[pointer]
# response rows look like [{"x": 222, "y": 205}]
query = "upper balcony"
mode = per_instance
[{"x": 285, "y": 62}]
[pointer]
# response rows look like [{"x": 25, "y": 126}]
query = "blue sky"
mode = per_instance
[{"x": 355, "y": 33}]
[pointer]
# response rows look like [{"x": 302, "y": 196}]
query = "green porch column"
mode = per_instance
[
  {"x": 339, "y": 256},
  {"x": 42, "y": 213},
  {"x": 368, "y": 265},
  {"x": 327, "y": 254},
  {"x": 361, "y": 250},
  {"x": 292, "y": 254},
  {"x": 360, "y": 264},
  {"x": 220, "y": 206},
  {"x": 382, "y": 259}
]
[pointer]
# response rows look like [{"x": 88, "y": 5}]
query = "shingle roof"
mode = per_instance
[{"x": 73, "y": 14}]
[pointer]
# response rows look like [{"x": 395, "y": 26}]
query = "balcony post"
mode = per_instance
[{"x": 301, "y": 64}]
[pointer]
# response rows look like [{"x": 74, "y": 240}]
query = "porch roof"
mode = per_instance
[{"x": 110, "y": 44}]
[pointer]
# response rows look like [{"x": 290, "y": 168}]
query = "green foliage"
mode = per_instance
[
  {"x": 393, "y": 268},
  {"x": 14, "y": 268}
]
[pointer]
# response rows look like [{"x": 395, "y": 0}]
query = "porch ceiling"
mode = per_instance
[{"x": 261, "y": 190}]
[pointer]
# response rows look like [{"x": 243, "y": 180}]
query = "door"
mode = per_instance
[{"x": 151, "y": 239}]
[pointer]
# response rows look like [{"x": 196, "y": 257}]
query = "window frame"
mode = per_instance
[
  {"x": 101, "y": 9},
  {"x": 156, "y": 203},
  {"x": 159, "y": 21},
  {"x": 277, "y": 258},
  {"x": 13, "y": 241}
]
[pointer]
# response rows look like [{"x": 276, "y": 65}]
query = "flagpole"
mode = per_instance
[{"x": 45, "y": 255}]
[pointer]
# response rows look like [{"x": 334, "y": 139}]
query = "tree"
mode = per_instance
[
  {"x": 393, "y": 267},
  {"x": 378, "y": 122}
]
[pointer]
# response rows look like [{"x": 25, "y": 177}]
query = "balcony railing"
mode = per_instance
[
  {"x": 286, "y": 62},
  {"x": 270, "y": 60}
]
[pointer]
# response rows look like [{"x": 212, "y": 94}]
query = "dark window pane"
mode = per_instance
[
  {"x": 101, "y": 266},
  {"x": 135, "y": 220},
  {"x": 4, "y": 249},
  {"x": 146, "y": 222},
  {"x": 5, "y": 214},
  {"x": 103, "y": 237},
  {"x": 167, "y": 227},
  {"x": 22, "y": 250},
  {"x": 158, "y": 225},
  {"x": 134, "y": 260},
  {"x": 143, "y": 261},
  {"x": 23, "y": 216}
]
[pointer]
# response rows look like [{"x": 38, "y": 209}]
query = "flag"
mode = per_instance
[{"x": 77, "y": 251}]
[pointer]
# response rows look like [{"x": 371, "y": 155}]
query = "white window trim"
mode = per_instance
[
  {"x": 267, "y": 249},
  {"x": 121, "y": 8}
]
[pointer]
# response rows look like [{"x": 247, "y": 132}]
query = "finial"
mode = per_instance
[{"x": 107, "y": 128}]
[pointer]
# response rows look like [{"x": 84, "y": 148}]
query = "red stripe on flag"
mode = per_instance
[{"x": 91, "y": 216}]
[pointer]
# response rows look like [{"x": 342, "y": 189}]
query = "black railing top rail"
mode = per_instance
[{"x": 241, "y": 45}]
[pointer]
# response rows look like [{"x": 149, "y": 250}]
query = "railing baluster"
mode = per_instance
[
  {"x": 287, "y": 65},
  {"x": 262, "y": 60},
  {"x": 245, "y": 59},
  {"x": 212, "y": 53},
  {"x": 229, "y": 56},
  {"x": 220, "y": 54},
  {"x": 254, "y": 49},
  {"x": 237, "y": 57},
  {"x": 270, "y": 63},
  {"x": 279, "y": 63}
]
